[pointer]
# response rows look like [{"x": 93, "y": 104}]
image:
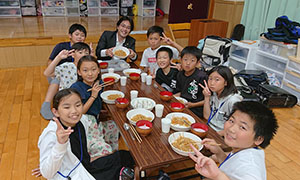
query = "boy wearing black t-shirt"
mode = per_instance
[
  {"x": 165, "y": 75},
  {"x": 189, "y": 78}
]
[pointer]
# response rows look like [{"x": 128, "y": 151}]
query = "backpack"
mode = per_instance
[
  {"x": 215, "y": 51},
  {"x": 285, "y": 31},
  {"x": 253, "y": 78}
]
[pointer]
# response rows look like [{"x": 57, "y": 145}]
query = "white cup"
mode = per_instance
[
  {"x": 148, "y": 80},
  {"x": 133, "y": 94},
  {"x": 159, "y": 109},
  {"x": 111, "y": 70},
  {"x": 143, "y": 76},
  {"x": 165, "y": 125},
  {"x": 123, "y": 80}
]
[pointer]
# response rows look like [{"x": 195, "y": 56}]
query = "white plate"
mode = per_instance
[
  {"x": 109, "y": 92},
  {"x": 143, "y": 102},
  {"x": 178, "y": 127},
  {"x": 134, "y": 112},
  {"x": 126, "y": 72},
  {"x": 192, "y": 136},
  {"x": 123, "y": 49},
  {"x": 182, "y": 100},
  {"x": 116, "y": 76}
]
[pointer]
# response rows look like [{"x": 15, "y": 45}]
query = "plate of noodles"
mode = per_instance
[
  {"x": 110, "y": 96},
  {"x": 180, "y": 142},
  {"x": 180, "y": 121},
  {"x": 135, "y": 115},
  {"x": 121, "y": 52}
]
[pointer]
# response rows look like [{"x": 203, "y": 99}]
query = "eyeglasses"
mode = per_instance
[{"x": 124, "y": 26}]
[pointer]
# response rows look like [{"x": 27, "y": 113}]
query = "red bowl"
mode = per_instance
[
  {"x": 122, "y": 103},
  {"x": 109, "y": 79},
  {"x": 103, "y": 65},
  {"x": 177, "y": 106},
  {"x": 141, "y": 131},
  {"x": 134, "y": 76},
  {"x": 166, "y": 95},
  {"x": 199, "y": 129}
]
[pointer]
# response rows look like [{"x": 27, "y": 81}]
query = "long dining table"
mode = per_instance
[{"x": 154, "y": 151}]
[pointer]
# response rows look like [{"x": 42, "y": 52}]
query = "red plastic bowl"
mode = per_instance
[
  {"x": 134, "y": 76},
  {"x": 109, "y": 79},
  {"x": 143, "y": 132},
  {"x": 177, "y": 107},
  {"x": 166, "y": 95},
  {"x": 122, "y": 103},
  {"x": 202, "y": 126},
  {"x": 103, "y": 65}
]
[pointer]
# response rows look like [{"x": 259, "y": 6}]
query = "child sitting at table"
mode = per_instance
[
  {"x": 155, "y": 37},
  {"x": 65, "y": 73},
  {"x": 189, "y": 78},
  {"x": 250, "y": 125},
  {"x": 103, "y": 137},
  {"x": 220, "y": 94},
  {"x": 166, "y": 74},
  {"x": 63, "y": 146}
]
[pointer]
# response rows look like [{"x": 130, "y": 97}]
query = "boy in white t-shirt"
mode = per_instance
[
  {"x": 250, "y": 125},
  {"x": 155, "y": 37}
]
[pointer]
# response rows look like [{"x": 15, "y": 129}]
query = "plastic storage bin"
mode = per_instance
[
  {"x": 109, "y": 11},
  {"x": 292, "y": 76},
  {"x": 276, "y": 64},
  {"x": 93, "y": 3},
  {"x": 236, "y": 64},
  {"x": 292, "y": 88},
  {"x": 28, "y": 11},
  {"x": 239, "y": 52},
  {"x": 71, "y": 3},
  {"x": 72, "y": 11},
  {"x": 93, "y": 11},
  {"x": 277, "y": 48},
  {"x": 10, "y": 11},
  {"x": 294, "y": 65},
  {"x": 50, "y": 11}
]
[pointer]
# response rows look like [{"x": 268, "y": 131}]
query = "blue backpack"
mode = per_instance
[{"x": 285, "y": 31}]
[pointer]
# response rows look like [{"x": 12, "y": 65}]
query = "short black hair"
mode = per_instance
[
  {"x": 81, "y": 46},
  {"x": 226, "y": 73},
  {"x": 126, "y": 18},
  {"x": 79, "y": 27},
  {"x": 265, "y": 122},
  {"x": 155, "y": 29},
  {"x": 61, "y": 94},
  {"x": 87, "y": 58},
  {"x": 193, "y": 50},
  {"x": 165, "y": 49}
]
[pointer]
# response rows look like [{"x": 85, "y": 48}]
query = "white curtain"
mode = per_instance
[{"x": 258, "y": 15}]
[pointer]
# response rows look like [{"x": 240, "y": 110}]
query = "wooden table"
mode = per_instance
[{"x": 154, "y": 151}]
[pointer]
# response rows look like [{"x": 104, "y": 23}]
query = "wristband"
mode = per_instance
[{"x": 93, "y": 97}]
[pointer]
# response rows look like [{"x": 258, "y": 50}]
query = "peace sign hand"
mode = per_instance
[
  {"x": 166, "y": 39},
  {"x": 206, "y": 92},
  {"x": 61, "y": 133},
  {"x": 177, "y": 66}
]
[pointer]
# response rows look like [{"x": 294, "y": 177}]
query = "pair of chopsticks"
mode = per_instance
[
  {"x": 135, "y": 133},
  {"x": 103, "y": 84},
  {"x": 210, "y": 143}
]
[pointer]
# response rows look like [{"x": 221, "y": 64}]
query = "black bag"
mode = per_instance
[
  {"x": 215, "y": 50},
  {"x": 273, "y": 96},
  {"x": 253, "y": 78}
]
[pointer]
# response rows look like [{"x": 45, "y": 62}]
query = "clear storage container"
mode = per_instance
[
  {"x": 292, "y": 88},
  {"x": 28, "y": 11},
  {"x": 277, "y": 48},
  {"x": 236, "y": 64},
  {"x": 276, "y": 63},
  {"x": 93, "y": 11},
  {"x": 10, "y": 12}
]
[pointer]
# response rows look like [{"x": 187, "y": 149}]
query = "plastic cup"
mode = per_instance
[
  {"x": 159, "y": 109},
  {"x": 111, "y": 70},
  {"x": 133, "y": 94},
  {"x": 143, "y": 77},
  {"x": 123, "y": 80},
  {"x": 148, "y": 80},
  {"x": 165, "y": 125}
]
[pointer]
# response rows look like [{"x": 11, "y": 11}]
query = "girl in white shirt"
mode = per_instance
[
  {"x": 63, "y": 145},
  {"x": 219, "y": 96}
]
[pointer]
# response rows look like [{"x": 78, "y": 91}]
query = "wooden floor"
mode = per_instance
[{"x": 22, "y": 90}]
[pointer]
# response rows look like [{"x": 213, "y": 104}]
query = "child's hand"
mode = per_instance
[
  {"x": 36, "y": 172},
  {"x": 177, "y": 66},
  {"x": 131, "y": 54},
  {"x": 189, "y": 104},
  {"x": 206, "y": 92},
  {"x": 166, "y": 40},
  {"x": 210, "y": 144},
  {"x": 204, "y": 165},
  {"x": 109, "y": 52},
  {"x": 65, "y": 53},
  {"x": 92, "y": 49},
  {"x": 61, "y": 133},
  {"x": 96, "y": 88}
]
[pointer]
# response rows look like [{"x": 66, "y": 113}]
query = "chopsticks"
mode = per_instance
[
  {"x": 103, "y": 84},
  {"x": 136, "y": 134},
  {"x": 210, "y": 143}
]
